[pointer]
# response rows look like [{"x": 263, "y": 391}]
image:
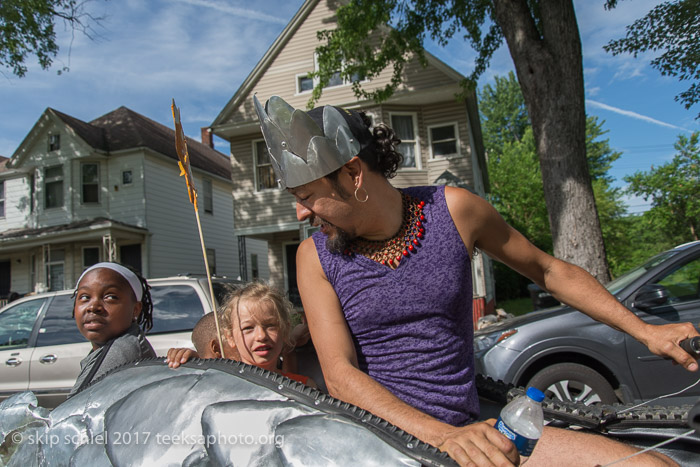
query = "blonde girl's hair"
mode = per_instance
[{"x": 259, "y": 292}]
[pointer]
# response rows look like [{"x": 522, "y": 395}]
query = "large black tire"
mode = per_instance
[{"x": 573, "y": 382}]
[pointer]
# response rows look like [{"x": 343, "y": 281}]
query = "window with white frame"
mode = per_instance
[
  {"x": 54, "y": 142},
  {"x": 90, "y": 176},
  {"x": 32, "y": 190},
  {"x": 54, "y": 270},
  {"x": 53, "y": 187},
  {"x": 264, "y": 173},
  {"x": 444, "y": 140},
  {"x": 304, "y": 83},
  {"x": 404, "y": 125},
  {"x": 208, "y": 196},
  {"x": 2, "y": 198}
]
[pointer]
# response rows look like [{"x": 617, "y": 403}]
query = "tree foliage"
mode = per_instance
[
  {"x": 28, "y": 27},
  {"x": 543, "y": 39},
  {"x": 674, "y": 191},
  {"x": 674, "y": 28},
  {"x": 517, "y": 188}
]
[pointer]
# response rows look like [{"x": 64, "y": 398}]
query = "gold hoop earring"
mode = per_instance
[{"x": 366, "y": 195}]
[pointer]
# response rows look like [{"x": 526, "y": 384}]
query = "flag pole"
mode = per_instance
[{"x": 186, "y": 171}]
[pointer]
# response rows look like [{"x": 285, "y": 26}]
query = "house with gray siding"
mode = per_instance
[
  {"x": 75, "y": 193},
  {"x": 441, "y": 139}
]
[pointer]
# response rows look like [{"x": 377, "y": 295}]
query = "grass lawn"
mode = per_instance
[{"x": 517, "y": 306}]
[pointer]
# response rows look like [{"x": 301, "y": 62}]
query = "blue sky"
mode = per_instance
[{"x": 200, "y": 51}]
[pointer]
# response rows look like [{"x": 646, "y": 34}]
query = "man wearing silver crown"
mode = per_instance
[{"x": 386, "y": 287}]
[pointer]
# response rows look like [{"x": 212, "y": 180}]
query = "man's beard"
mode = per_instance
[
  {"x": 337, "y": 239},
  {"x": 337, "y": 243}
]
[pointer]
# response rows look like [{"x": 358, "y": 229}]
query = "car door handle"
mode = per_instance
[
  {"x": 13, "y": 361},
  {"x": 50, "y": 358}
]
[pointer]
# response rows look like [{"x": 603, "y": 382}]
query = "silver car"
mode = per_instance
[
  {"x": 572, "y": 357},
  {"x": 41, "y": 347}
]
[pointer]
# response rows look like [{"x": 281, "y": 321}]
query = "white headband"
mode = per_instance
[{"x": 130, "y": 277}]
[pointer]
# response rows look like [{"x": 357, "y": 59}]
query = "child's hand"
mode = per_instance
[
  {"x": 178, "y": 356},
  {"x": 300, "y": 335}
]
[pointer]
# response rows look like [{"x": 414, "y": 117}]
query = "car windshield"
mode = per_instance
[{"x": 627, "y": 278}]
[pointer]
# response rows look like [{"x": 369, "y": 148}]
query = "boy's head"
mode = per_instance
[
  {"x": 108, "y": 299},
  {"x": 205, "y": 340}
]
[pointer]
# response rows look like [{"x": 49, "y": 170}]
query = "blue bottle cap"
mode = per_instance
[{"x": 535, "y": 394}]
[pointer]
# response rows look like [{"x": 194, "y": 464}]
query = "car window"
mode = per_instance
[
  {"x": 58, "y": 326},
  {"x": 682, "y": 282},
  {"x": 630, "y": 276},
  {"x": 16, "y": 323},
  {"x": 175, "y": 308}
]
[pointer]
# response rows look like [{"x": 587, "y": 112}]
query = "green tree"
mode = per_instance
[
  {"x": 674, "y": 28},
  {"x": 544, "y": 42},
  {"x": 674, "y": 191},
  {"x": 517, "y": 189},
  {"x": 28, "y": 27}
]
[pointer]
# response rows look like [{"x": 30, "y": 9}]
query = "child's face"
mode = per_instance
[
  {"x": 105, "y": 306},
  {"x": 255, "y": 333}
]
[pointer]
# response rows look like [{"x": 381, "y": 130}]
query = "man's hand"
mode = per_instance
[
  {"x": 480, "y": 444},
  {"x": 178, "y": 356},
  {"x": 664, "y": 340}
]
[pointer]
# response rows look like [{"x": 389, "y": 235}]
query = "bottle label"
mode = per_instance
[{"x": 524, "y": 445}]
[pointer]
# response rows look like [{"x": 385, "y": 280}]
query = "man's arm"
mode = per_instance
[
  {"x": 478, "y": 442},
  {"x": 481, "y": 226}
]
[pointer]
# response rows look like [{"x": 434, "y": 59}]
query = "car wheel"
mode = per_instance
[{"x": 572, "y": 382}]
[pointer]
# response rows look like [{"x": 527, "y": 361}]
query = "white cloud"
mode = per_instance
[
  {"x": 240, "y": 12},
  {"x": 629, "y": 113}
]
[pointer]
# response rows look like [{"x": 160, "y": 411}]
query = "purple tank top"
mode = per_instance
[{"x": 412, "y": 326}]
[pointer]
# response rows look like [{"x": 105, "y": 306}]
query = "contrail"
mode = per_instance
[{"x": 629, "y": 113}]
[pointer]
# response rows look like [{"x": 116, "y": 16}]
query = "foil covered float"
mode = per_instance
[{"x": 205, "y": 413}]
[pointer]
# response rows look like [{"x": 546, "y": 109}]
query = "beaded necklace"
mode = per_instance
[{"x": 406, "y": 241}]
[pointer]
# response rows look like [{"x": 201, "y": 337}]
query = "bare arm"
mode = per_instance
[
  {"x": 481, "y": 226},
  {"x": 479, "y": 442}
]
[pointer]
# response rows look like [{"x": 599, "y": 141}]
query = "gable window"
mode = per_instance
[
  {"x": 54, "y": 142},
  {"x": 127, "y": 177},
  {"x": 405, "y": 128},
  {"x": 2, "y": 198},
  {"x": 304, "y": 83},
  {"x": 208, "y": 196},
  {"x": 443, "y": 140},
  {"x": 32, "y": 189},
  {"x": 335, "y": 80},
  {"x": 53, "y": 187},
  {"x": 264, "y": 173},
  {"x": 90, "y": 174}
]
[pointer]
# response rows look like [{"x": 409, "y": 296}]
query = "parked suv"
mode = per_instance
[
  {"x": 572, "y": 357},
  {"x": 41, "y": 347}
]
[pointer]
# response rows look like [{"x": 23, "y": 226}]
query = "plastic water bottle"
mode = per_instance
[{"x": 522, "y": 421}]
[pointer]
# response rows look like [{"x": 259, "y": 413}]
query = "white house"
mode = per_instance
[
  {"x": 441, "y": 139},
  {"x": 75, "y": 193}
]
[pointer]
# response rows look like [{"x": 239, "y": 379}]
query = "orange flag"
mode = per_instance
[{"x": 183, "y": 155}]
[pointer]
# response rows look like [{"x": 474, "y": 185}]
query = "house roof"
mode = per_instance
[
  {"x": 3, "y": 163},
  {"x": 81, "y": 224},
  {"x": 124, "y": 129}
]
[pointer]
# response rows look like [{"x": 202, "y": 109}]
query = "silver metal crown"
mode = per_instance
[{"x": 300, "y": 151}]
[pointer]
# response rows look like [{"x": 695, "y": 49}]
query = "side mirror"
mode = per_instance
[{"x": 651, "y": 295}]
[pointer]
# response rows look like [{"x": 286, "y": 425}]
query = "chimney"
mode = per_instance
[{"x": 207, "y": 138}]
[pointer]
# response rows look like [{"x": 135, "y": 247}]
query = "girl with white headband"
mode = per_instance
[{"x": 113, "y": 310}]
